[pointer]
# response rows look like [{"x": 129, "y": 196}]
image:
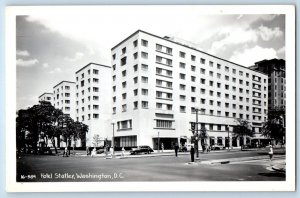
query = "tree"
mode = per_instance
[
  {"x": 202, "y": 135},
  {"x": 242, "y": 129},
  {"x": 96, "y": 140},
  {"x": 274, "y": 127}
]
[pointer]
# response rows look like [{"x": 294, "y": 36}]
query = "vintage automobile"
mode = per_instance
[
  {"x": 141, "y": 149},
  {"x": 217, "y": 147}
]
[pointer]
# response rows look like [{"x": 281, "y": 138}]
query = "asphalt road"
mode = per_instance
[{"x": 160, "y": 168}]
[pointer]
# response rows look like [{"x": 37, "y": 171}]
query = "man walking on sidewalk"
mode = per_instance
[
  {"x": 176, "y": 149},
  {"x": 192, "y": 153}
]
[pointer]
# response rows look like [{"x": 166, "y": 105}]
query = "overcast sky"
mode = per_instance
[{"x": 51, "y": 48}]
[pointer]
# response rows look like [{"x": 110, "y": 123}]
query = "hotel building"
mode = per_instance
[
  {"x": 64, "y": 97},
  {"x": 48, "y": 97},
  {"x": 157, "y": 83},
  {"x": 93, "y": 100},
  {"x": 275, "y": 69}
]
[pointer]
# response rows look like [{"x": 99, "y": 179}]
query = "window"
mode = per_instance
[
  {"x": 114, "y": 110},
  {"x": 219, "y": 85},
  {"x": 227, "y": 78},
  {"x": 202, "y": 80},
  {"x": 182, "y": 54},
  {"x": 193, "y": 58},
  {"x": 135, "y": 55},
  {"x": 163, "y": 124},
  {"x": 233, "y": 71},
  {"x": 82, "y": 83},
  {"x": 114, "y": 88},
  {"x": 202, "y": 91},
  {"x": 123, "y": 61},
  {"x": 66, "y": 95},
  {"x": 211, "y": 102},
  {"x": 124, "y": 96},
  {"x": 226, "y": 69},
  {"x": 124, "y": 50},
  {"x": 211, "y": 64},
  {"x": 135, "y": 92},
  {"x": 193, "y": 89},
  {"x": 182, "y": 76},
  {"x": 202, "y": 60},
  {"x": 144, "y": 43},
  {"x": 182, "y": 97},
  {"x": 202, "y": 71},
  {"x": 135, "y": 43},
  {"x": 240, "y": 73},
  {"x": 182, "y": 65},
  {"x": 145, "y": 104},
  {"x": 114, "y": 56},
  {"x": 211, "y": 93},
  {"x": 144, "y": 79},
  {"x": 202, "y": 101},
  {"x": 144, "y": 67},
  {"x": 211, "y": 83},
  {"x": 124, "y": 108},
  {"x": 124, "y": 84},
  {"x": 218, "y": 75},
  {"x": 193, "y": 99},
  {"x": 135, "y": 68},
  {"x": 95, "y": 71},
  {"x": 135, "y": 80},
  {"x": 158, "y": 105},
  {"x": 114, "y": 99},
  {"x": 241, "y": 82},
  {"x": 96, "y": 98},
  {"x": 96, "y": 107},
  {"x": 95, "y": 89},
  {"x": 135, "y": 105},
  {"x": 114, "y": 77},
  {"x": 144, "y": 55},
  {"x": 193, "y": 68},
  {"x": 182, "y": 87},
  {"x": 227, "y": 105},
  {"x": 95, "y": 80},
  {"x": 211, "y": 73},
  {"x": 218, "y": 66},
  {"x": 124, "y": 73},
  {"x": 145, "y": 92},
  {"x": 182, "y": 109},
  {"x": 193, "y": 78}
]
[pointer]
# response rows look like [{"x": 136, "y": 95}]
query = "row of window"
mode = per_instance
[
  {"x": 95, "y": 107},
  {"x": 62, "y": 88},
  {"x": 95, "y": 80},
  {"x": 95, "y": 71},
  {"x": 95, "y": 116}
]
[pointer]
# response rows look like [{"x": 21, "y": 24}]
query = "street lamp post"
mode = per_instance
[
  {"x": 158, "y": 141},
  {"x": 196, "y": 128},
  {"x": 113, "y": 139},
  {"x": 228, "y": 137}
]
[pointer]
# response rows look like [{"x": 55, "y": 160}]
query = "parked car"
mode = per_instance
[
  {"x": 217, "y": 147},
  {"x": 141, "y": 149}
]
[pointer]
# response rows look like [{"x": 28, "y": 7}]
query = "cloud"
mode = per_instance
[
  {"x": 22, "y": 53},
  {"x": 249, "y": 56},
  {"x": 45, "y": 65},
  {"x": 281, "y": 50},
  {"x": 78, "y": 56},
  {"x": 56, "y": 70},
  {"x": 26, "y": 63},
  {"x": 233, "y": 36},
  {"x": 267, "y": 33}
]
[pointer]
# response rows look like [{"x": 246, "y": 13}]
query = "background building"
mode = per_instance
[
  {"x": 93, "y": 100},
  {"x": 46, "y": 97},
  {"x": 157, "y": 83},
  {"x": 64, "y": 97},
  {"x": 275, "y": 69}
]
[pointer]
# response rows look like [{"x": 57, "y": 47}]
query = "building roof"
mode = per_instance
[
  {"x": 166, "y": 39},
  {"x": 63, "y": 82},
  {"x": 92, "y": 64},
  {"x": 45, "y": 93}
]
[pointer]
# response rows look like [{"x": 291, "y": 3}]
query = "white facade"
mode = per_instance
[
  {"x": 64, "y": 95},
  {"x": 157, "y": 83},
  {"x": 46, "y": 97},
  {"x": 93, "y": 100}
]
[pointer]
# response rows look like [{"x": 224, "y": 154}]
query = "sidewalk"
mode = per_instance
[{"x": 279, "y": 165}]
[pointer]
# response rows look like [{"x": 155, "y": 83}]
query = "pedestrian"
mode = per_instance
[
  {"x": 271, "y": 152},
  {"x": 87, "y": 150},
  {"x": 65, "y": 154},
  {"x": 192, "y": 151},
  {"x": 93, "y": 152},
  {"x": 203, "y": 148},
  {"x": 162, "y": 147},
  {"x": 176, "y": 149},
  {"x": 123, "y": 151}
]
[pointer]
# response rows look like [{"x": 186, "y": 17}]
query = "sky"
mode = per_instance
[{"x": 52, "y": 47}]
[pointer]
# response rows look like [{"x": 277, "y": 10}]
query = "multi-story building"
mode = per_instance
[
  {"x": 48, "y": 97},
  {"x": 64, "y": 95},
  {"x": 275, "y": 69},
  {"x": 93, "y": 100},
  {"x": 157, "y": 83}
]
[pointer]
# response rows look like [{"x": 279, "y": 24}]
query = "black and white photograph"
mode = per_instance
[{"x": 189, "y": 98}]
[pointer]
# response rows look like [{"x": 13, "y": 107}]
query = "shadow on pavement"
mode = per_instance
[{"x": 273, "y": 174}]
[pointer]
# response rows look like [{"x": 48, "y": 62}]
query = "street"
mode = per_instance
[{"x": 36, "y": 168}]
